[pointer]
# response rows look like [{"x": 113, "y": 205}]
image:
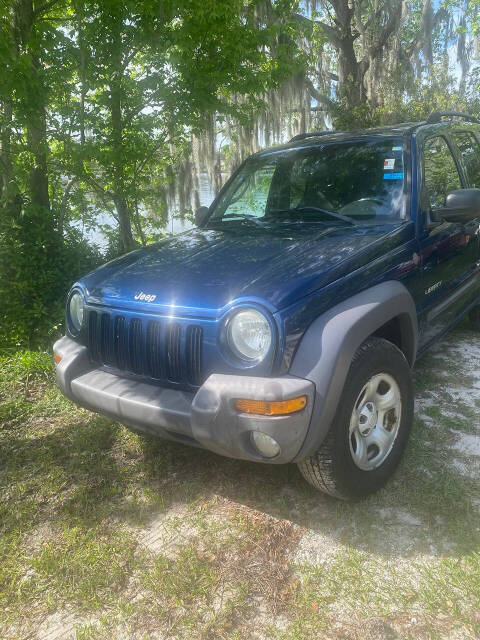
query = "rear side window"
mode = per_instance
[
  {"x": 440, "y": 171},
  {"x": 470, "y": 150}
]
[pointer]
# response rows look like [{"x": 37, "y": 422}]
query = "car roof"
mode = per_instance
[
  {"x": 320, "y": 138},
  {"x": 387, "y": 130},
  {"x": 327, "y": 137}
]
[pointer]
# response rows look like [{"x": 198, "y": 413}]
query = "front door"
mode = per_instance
[{"x": 449, "y": 251}]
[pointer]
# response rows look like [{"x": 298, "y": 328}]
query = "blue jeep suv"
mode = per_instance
[{"x": 284, "y": 327}]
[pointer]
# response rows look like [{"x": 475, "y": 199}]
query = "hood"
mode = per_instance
[{"x": 204, "y": 270}]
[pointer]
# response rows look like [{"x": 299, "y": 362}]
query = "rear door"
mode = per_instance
[
  {"x": 468, "y": 145},
  {"x": 449, "y": 251},
  {"x": 469, "y": 149}
]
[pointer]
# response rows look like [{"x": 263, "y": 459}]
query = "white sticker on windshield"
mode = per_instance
[{"x": 389, "y": 164}]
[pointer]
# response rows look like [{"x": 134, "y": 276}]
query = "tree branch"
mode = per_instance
[
  {"x": 43, "y": 8},
  {"x": 160, "y": 143},
  {"x": 319, "y": 97},
  {"x": 392, "y": 22},
  {"x": 128, "y": 58},
  {"x": 330, "y": 32},
  {"x": 99, "y": 190}
]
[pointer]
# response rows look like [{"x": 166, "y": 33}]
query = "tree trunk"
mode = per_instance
[
  {"x": 350, "y": 70},
  {"x": 123, "y": 213},
  {"x": 80, "y": 17},
  {"x": 119, "y": 191},
  {"x": 5, "y": 152},
  {"x": 350, "y": 73},
  {"x": 34, "y": 104},
  {"x": 119, "y": 198},
  {"x": 37, "y": 142}
]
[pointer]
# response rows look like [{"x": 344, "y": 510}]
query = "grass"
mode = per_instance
[
  {"x": 440, "y": 600},
  {"x": 107, "y": 534}
]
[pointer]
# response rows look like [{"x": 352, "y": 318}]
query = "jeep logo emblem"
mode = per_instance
[{"x": 147, "y": 297}]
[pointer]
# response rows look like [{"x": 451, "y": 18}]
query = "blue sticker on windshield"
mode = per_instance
[{"x": 393, "y": 176}]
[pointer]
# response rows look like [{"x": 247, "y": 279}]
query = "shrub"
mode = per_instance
[{"x": 37, "y": 267}]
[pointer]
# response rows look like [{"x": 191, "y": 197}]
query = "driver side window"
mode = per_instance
[{"x": 440, "y": 172}]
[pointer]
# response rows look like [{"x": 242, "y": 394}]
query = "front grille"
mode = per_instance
[{"x": 161, "y": 350}]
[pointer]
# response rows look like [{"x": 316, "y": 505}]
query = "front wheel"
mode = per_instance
[{"x": 370, "y": 430}]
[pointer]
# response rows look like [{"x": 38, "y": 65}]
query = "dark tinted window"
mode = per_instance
[
  {"x": 470, "y": 150},
  {"x": 441, "y": 174},
  {"x": 362, "y": 180}
]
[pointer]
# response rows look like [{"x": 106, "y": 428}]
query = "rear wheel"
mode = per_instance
[{"x": 370, "y": 430}]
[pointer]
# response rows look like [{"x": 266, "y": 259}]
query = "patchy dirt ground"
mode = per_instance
[{"x": 106, "y": 534}]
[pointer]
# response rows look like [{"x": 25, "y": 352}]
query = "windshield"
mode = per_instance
[{"x": 360, "y": 182}]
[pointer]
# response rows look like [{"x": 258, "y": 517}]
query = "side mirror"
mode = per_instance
[
  {"x": 201, "y": 215},
  {"x": 461, "y": 205}
]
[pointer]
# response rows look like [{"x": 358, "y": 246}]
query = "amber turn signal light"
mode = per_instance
[
  {"x": 275, "y": 408},
  {"x": 57, "y": 358}
]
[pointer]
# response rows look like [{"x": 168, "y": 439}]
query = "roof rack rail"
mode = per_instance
[
  {"x": 437, "y": 116},
  {"x": 312, "y": 134}
]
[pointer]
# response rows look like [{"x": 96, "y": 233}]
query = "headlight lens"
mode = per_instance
[
  {"x": 75, "y": 310},
  {"x": 249, "y": 335}
]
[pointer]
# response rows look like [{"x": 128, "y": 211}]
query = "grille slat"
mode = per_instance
[
  {"x": 155, "y": 359},
  {"x": 194, "y": 354},
  {"x": 135, "y": 350},
  {"x": 173, "y": 351},
  {"x": 93, "y": 343},
  {"x": 120, "y": 340},
  {"x": 160, "y": 350},
  {"x": 106, "y": 339}
]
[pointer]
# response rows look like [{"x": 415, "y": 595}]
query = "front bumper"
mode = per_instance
[{"x": 206, "y": 418}]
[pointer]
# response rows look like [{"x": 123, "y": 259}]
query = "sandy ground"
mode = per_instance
[{"x": 373, "y": 570}]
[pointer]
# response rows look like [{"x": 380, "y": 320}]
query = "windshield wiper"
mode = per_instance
[
  {"x": 327, "y": 212},
  {"x": 240, "y": 217},
  {"x": 219, "y": 222}
]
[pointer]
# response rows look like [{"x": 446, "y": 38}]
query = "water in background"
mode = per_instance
[
  {"x": 174, "y": 225},
  {"x": 206, "y": 194}
]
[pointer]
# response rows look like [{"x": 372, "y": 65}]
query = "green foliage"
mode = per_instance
[
  {"x": 348, "y": 118},
  {"x": 150, "y": 78},
  {"x": 37, "y": 267},
  {"x": 21, "y": 366},
  {"x": 96, "y": 102},
  {"x": 435, "y": 95}
]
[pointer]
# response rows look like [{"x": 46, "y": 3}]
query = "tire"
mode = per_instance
[
  {"x": 380, "y": 371},
  {"x": 475, "y": 318}
]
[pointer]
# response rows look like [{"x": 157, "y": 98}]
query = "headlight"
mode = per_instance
[
  {"x": 249, "y": 335},
  {"x": 75, "y": 311}
]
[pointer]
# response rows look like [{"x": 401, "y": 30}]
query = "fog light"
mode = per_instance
[{"x": 267, "y": 446}]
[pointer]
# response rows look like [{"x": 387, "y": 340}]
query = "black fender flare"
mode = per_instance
[{"x": 327, "y": 348}]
